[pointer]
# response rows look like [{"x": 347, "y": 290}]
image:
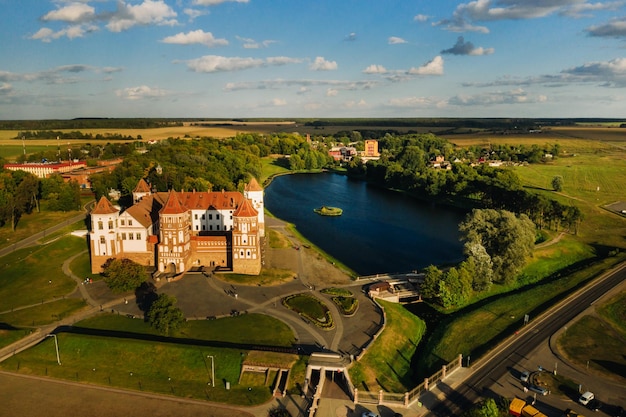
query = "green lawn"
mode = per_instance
[
  {"x": 268, "y": 276},
  {"x": 35, "y": 222},
  {"x": 33, "y": 275},
  {"x": 255, "y": 329},
  {"x": 81, "y": 267},
  {"x": 307, "y": 305},
  {"x": 386, "y": 364},
  {"x": 179, "y": 370},
  {"x": 43, "y": 314},
  {"x": 269, "y": 167},
  {"x": 8, "y": 336}
]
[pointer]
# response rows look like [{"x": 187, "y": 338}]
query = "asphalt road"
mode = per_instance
[{"x": 500, "y": 362}]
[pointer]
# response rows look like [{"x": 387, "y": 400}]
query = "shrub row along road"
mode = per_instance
[{"x": 499, "y": 362}]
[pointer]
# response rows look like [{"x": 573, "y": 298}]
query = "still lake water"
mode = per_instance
[{"x": 379, "y": 231}]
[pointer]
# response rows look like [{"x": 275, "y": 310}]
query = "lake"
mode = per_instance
[{"x": 380, "y": 230}]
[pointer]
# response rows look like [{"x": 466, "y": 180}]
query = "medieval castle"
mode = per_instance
[{"x": 176, "y": 231}]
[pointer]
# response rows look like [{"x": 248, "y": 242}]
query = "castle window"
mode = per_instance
[
  {"x": 241, "y": 253},
  {"x": 130, "y": 222},
  {"x": 203, "y": 217},
  {"x": 130, "y": 236},
  {"x": 100, "y": 226},
  {"x": 217, "y": 216},
  {"x": 210, "y": 227},
  {"x": 195, "y": 216},
  {"x": 138, "y": 236},
  {"x": 123, "y": 236},
  {"x": 122, "y": 222},
  {"x": 203, "y": 227},
  {"x": 210, "y": 217},
  {"x": 197, "y": 227},
  {"x": 218, "y": 227},
  {"x": 231, "y": 216},
  {"x": 110, "y": 224},
  {"x": 102, "y": 241},
  {"x": 248, "y": 254}
]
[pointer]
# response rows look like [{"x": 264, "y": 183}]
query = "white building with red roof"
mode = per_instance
[{"x": 176, "y": 231}]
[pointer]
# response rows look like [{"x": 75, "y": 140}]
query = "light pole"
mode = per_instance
[
  {"x": 212, "y": 370},
  {"x": 56, "y": 345}
]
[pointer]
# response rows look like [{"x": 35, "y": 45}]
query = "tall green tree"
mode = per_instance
[
  {"x": 557, "y": 183},
  {"x": 123, "y": 274},
  {"x": 164, "y": 315}
]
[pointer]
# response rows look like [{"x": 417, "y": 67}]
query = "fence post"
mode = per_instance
[
  {"x": 443, "y": 371},
  {"x": 356, "y": 395},
  {"x": 406, "y": 399},
  {"x": 460, "y": 360},
  {"x": 426, "y": 384},
  {"x": 380, "y": 397}
]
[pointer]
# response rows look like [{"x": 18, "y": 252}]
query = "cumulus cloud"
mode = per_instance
[
  {"x": 149, "y": 12},
  {"x": 55, "y": 75},
  {"x": 351, "y": 36},
  {"x": 467, "y": 48},
  {"x": 375, "y": 69},
  {"x": 215, "y": 2},
  {"x": 6, "y": 88},
  {"x": 279, "y": 102},
  {"x": 304, "y": 85},
  {"x": 74, "y": 12},
  {"x": 394, "y": 40},
  {"x": 615, "y": 28},
  {"x": 432, "y": 67},
  {"x": 332, "y": 92},
  {"x": 321, "y": 64},
  {"x": 516, "y": 96},
  {"x": 71, "y": 32},
  {"x": 607, "y": 73},
  {"x": 194, "y": 13},
  {"x": 141, "y": 92},
  {"x": 195, "y": 37},
  {"x": 421, "y": 18}
]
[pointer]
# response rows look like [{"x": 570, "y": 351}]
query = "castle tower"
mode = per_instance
[
  {"x": 254, "y": 193},
  {"x": 141, "y": 190},
  {"x": 174, "y": 243},
  {"x": 246, "y": 246},
  {"x": 103, "y": 234}
]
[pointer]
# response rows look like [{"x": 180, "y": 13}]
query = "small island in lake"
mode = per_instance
[{"x": 328, "y": 211}]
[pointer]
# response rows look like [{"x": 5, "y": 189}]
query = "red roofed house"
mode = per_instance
[{"x": 175, "y": 231}]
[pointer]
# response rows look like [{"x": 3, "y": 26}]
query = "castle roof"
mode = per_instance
[
  {"x": 245, "y": 209},
  {"x": 218, "y": 200},
  {"x": 146, "y": 211},
  {"x": 173, "y": 205},
  {"x": 104, "y": 206},
  {"x": 142, "y": 187},
  {"x": 253, "y": 185}
]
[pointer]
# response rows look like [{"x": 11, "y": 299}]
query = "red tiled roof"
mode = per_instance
[
  {"x": 220, "y": 200},
  {"x": 245, "y": 209},
  {"x": 142, "y": 187},
  {"x": 104, "y": 206},
  {"x": 253, "y": 185},
  {"x": 173, "y": 205}
]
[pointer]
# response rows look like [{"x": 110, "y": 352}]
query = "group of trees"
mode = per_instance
[
  {"x": 22, "y": 193},
  {"x": 122, "y": 275},
  {"x": 405, "y": 165},
  {"x": 497, "y": 245}
]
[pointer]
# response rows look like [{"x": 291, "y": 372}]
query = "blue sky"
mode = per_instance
[{"x": 312, "y": 58}]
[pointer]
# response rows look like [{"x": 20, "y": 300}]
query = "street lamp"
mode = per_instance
[
  {"x": 56, "y": 345},
  {"x": 212, "y": 370}
]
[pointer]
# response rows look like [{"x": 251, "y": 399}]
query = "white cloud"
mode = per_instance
[
  {"x": 394, "y": 40},
  {"x": 421, "y": 18},
  {"x": 71, "y": 32},
  {"x": 215, "y": 2},
  {"x": 355, "y": 104},
  {"x": 584, "y": 9},
  {"x": 375, "y": 69},
  {"x": 279, "y": 102},
  {"x": 416, "y": 102},
  {"x": 194, "y": 13},
  {"x": 282, "y": 60},
  {"x": 195, "y": 37},
  {"x": 140, "y": 92},
  {"x": 320, "y": 64},
  {"x": 332, "y": 92},
  {"x": 249, "y": 43},
  {"x": 303, "y": 84},
  {"x": 215, "y": 63},
  {"x": 149, "y": 12},
  {"x": 432, "y": 67},
  {"x": 74, "y": 12},
  {"x": 351, "y": 36},
  {"x": 6, "y": 88},
  {"x": 607, "y": 73}
]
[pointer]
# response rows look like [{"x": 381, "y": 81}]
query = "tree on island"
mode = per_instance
[
  {"x": 164, "y": 315},
  {"x": 123, "y": 274}
]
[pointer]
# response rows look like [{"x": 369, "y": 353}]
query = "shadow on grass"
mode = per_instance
[
  {"x": 173, "y": 340},
  {"x": 7, "y": 326}
]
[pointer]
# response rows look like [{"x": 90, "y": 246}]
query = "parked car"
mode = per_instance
[
  {"x": 538, "y": 390},
  {"x": 524, "y": 376},
  {"x": 586, "y": 397}
]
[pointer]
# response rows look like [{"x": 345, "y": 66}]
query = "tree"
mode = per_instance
[
  {"x": 557, "y": 183},
  {"x": 164, "y": 315},
  {"x": 487, "y": 408},
  {"x": 507, "y": 239},
  {"x": 430, "y": 286},
  {"x": 123, "y": 274}
]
